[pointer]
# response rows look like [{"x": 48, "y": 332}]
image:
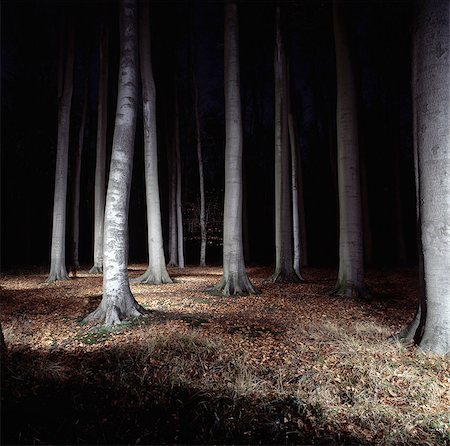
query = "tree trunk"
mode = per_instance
[
  {"x": 118, "y": 303},
  {"x": 431, "y": 95},
  {"x": 234, "y": 280},
  {"x": 76, "y": 186},
  {"x": 58, "y": 250},
  {"x": 180, "y": 236},
  {"x": 156, "y": 272},
  {"x": 202, "y": 216},
  {"x": 298, "y": 209},
  {"x": 100, "y": 164},
  {"x": 351, "y": 271},
  {"x": 284, "y": 269},
  {"x": 173, "y": 260}
]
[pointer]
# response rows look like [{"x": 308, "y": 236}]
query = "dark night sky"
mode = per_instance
[{"x": 380, "y": 43}]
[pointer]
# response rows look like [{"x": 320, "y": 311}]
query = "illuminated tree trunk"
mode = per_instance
[
  {"x": 118, "y": 303},
  {"x": 431, "y": 96},
  {"x": 156, "y": 272},
  {"x": 76, "y": 185},
  {"x": 58, "y": 269},
  {"x": 234, "y": 280},
  {"x": 100, "y": 164},
  {"x": 351, "y": 270}
]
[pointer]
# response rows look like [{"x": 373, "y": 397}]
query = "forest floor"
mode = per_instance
[{"x": 291, "y": 365}]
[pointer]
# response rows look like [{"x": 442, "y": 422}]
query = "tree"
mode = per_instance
[
  {"x": 173, "y": 246},
  {"x": 118, "y": 302},
  {"x": 58, "y": 269},
  {"x": 284, "y": 266},
  {"x": 234, "y": 280},
  {"x": 351, "y": 269},
  {"x": 180, "y": 236},
  {"x": 431, "y": 98},
  {"x": 77, "y": 183},
  {"x": 100, "y": 163},
  {"x": 198, "y": 134},
  {"x": 156, "y": 272}
]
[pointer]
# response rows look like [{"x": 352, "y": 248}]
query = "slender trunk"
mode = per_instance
[
  {"x": 77, "y": 184},
  {"x": 202, "y": 216},
  {"x": 100, "y": 164},
  {"x": 234, "y": 280},
  {"x": 118, "y": 302},
  {"x": 58, "y": 250},
  {"x": 298, "y": 209},
  {"x": 399, "y": 220},
  {"x": 173, "y": 260},
  {"x": 284, "y": 269},
  {"x": 156, "y": 272},
  {"x": 351, "y": 273},
  {"x": 431, "y": 96},
  {"x": 180, "y": 236}
]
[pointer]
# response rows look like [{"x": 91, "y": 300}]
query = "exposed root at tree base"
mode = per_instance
[
  {"x": 53, "y": 277},
  {"x": 230, "y": 287},
  {"x": 96, "y": 269},
  {"x": 113, "y": 315},
  {"x": 352, "y": 291},
  {"x": 286, "y": 277},
  {"x": 151, "y": 278}
]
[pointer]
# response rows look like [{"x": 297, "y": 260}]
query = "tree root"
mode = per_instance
[
  {"x": 96, "y": 269},
  {"x": 172, "y": 264},
  {"x": 113, "y": 315},
  {"x": 348, "y": 290},
  {"x": 53, "y": 276},
  {"x": 153, "y": 278},
  {"x": 286, "y": 277},
  {"x": 234, "y": 286}
]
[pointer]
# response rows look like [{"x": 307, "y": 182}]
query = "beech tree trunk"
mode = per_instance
[
  {"x": 118, "y": 302},
  {"x": 234, "y": 280},
  {"x": 198, "y": 132},
  {"x": 284, "y": 265},
  {"x": 156, "y": 272},
  {"x": 76, "y": 185},
  {"x": 431, "y": 96},
  {"x": 351, "y": 270},
  {"x": 100, "y": 163},
  {"x": 180, "y": 236},
  {"x": 173, "y": 242},
  {"x": 58, "y": 269}
]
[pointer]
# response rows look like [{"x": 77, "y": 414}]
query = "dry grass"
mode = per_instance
[{"x": 291, "y": 365}]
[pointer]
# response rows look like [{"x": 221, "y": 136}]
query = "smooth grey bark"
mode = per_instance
[
  {"x": 201, "y": 180},
  {"x": 284, "y": 265},
  {"x": 156, "y": 272},
  {"x": 298, "y": 208},
  {"x": 234, "y": 280},
  {"x": 76, "y": 185},
  {"x": 431, "y": 97},
  {"x": 350, "y": 280},
  {"x": 173, "y": 243},
  {"x": 100, "y": 163},
  {"x": 118, "y": 302},
  {"x": 180, "y": 236},
  {"x": 58, "y": 269}
]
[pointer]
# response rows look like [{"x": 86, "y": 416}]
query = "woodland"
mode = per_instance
[{"x": 225, "y": 222}]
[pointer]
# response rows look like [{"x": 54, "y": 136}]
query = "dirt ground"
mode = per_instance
[{"x": 289, "y": 365}]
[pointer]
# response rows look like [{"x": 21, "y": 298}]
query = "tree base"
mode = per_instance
[
  {"x": 153, "y": 278},
  {"x": 96, "y": 269},
  {"x": 286, "y": 277},
  {"x": 352, "y": 291},
  {"x": 172, "y": 264},
  {"x": 234, "y": 286},
  {"x": 111, "y": 314},
  {"x": 60, "y": 274}
]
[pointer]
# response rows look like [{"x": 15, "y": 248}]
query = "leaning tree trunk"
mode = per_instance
[
  {"x": 118, "y": 303},
  {"x": 156, "y": 272},
  {"x": 58, "y": 269},
  {"x": 284, "y": 269},
  {"x": 431, "y": 96},
  {"x": 234, "y": 280},
  {"x": 180, "y": 236},
  {"x": 351, "y": 270},
  {"x": 100, "y": 164},
  {"x": 76, "y": 186}
]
